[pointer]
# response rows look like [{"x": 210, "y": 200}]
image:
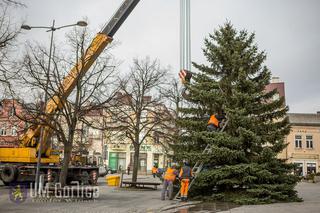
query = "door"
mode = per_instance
[
  {"x": 113, "y": 161},
  {"x": 143, "y": 163}
]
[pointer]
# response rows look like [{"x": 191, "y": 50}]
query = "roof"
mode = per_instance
[{"x": 304, "y": 119}]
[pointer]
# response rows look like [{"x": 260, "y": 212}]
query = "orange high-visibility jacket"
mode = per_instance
[
  {"x": 170, "y": 174},
  {"x": 185, "y": 172},
  {"x": 154, "y": 170},
  {"x": 213, "y": 120}
]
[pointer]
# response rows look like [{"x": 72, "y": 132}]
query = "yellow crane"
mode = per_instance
[{"x": 18, "y": 164}]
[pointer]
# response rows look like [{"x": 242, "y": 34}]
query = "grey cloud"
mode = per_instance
[{"x": 287, "y": 29}]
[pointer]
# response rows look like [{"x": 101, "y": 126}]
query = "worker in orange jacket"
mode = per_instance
[
  {"x": 215, "y": 122},
  {"x": 154, "y": 171},
  {"x": 169, "y": 178},
  {"x": 185, "y": 175}
]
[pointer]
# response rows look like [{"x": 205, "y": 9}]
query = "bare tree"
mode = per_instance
[
  {"x": 12, "y": 3},
  {"x": 92, "y": 91},
  {"x": 138, "y": 109},
  {"x": 172, "y": 94},
  {"x": 8, "y": 35}
]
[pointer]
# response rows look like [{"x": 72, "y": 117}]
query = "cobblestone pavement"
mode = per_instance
[
  {"x": 126, "y": 200},
  {"x": 310, "y": 193},
  {"x": 111, "y": 199}
]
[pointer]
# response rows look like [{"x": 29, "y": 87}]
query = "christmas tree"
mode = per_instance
[{"x": 242, "y": 166}]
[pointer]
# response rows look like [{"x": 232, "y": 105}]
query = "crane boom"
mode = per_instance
[{"x": 102, "y": 39}]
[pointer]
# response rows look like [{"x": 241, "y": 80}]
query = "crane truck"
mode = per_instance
[{"x": 19, "y": 164}]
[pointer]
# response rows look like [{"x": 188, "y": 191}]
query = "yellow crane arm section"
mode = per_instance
[
  {"x": 32, "y": 137},
  {"x": 29, "y": 139}
]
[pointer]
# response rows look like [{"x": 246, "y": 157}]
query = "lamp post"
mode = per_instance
[{"x": 51, "y": 29}]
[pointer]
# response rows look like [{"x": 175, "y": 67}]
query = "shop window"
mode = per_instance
[
  {"x": 311, "y": 168},
  {"x": 142, "y": 164},
  {"x": 309, "y": 142},
  {"x": 121, "y": 161},
  {"x": 117, "y": 161},
  {"x": 298, "y": 141},
  {"x": 299, "y": 169}
]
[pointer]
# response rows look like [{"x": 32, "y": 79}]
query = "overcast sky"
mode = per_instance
[{"x": 288, "y": 30}]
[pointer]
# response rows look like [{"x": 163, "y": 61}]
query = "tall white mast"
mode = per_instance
[{"x": 185, "y": 38}]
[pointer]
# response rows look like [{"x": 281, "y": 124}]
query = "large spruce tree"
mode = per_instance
[{"x": 242, "y": 166}]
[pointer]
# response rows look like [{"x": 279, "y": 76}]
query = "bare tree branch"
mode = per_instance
[
  {"x": 138, "y": 103},
  {"x": 90, "y": 93}
]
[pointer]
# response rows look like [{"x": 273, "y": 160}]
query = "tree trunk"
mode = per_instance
[
  {"x": 65, "y": 164},
  {"x": 135, "y": 162}
]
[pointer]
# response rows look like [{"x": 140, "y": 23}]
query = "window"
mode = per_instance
[
  {"x": 309, "y": 142},
  {"x": 14, "y": 131},
  {"x": 298, "y": 169},
  {"x": 156, "y": 138},
  {"x": 298, "y": 141},
  {"x": 85, "y": 131},
  {"x": 311, "y": 168},
  {"x": 3, "y": 129},
  {"x": 156, "y": 159},
  {"x": 12, "y": 111},
  {"x": 105, "y": 152}
]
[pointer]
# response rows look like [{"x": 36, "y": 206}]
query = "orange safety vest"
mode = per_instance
[
  {"x": 185, "y": 172},
  {"x": 213, "y": 120},
  {"x": 154, "y": 170},
  {"x": 170, "y": 174}
]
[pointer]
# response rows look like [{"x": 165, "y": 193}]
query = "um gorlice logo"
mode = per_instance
[{"x": 18, "y": 193}]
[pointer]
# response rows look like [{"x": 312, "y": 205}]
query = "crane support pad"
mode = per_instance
[{"x": 24, "y": 155}]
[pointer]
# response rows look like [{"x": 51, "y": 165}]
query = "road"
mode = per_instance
[
  {"x": 110, "y": 200},
  {"x": 125, "y": 200}
]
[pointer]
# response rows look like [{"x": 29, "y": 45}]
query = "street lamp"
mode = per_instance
[{"x": 51, "y": 29}]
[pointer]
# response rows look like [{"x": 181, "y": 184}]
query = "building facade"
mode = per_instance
[
  {"x": 108, "y": 143},
  {"x": 304, "y": 138},
  {"x": 104, "y": 147},
  {"x": 278, "y": 85},
  {"x": 303, "y": 143},
  {"x": 10, "y": 125}
]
